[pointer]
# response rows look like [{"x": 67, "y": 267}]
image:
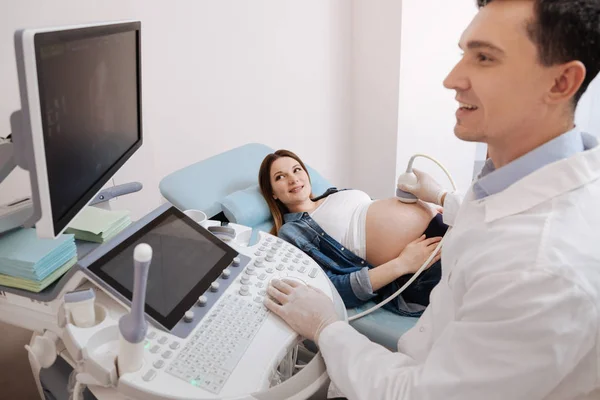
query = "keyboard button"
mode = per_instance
[
  {"x": 148, "y": 376},
  {"x": 155, "y": 349},
  {"x": 313, "y": 273},
  {"x": 163, "y": 340},
  {"x": 159, "y": 364},
  {"x": 202, "y": 300},
  {"x": 188, "y": 316},
  {"x": 244, "y": 290}
]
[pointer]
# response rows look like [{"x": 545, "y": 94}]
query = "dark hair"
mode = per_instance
[
  {"x": 278, "y": 209},
  {"x": 566, "y": 30}
]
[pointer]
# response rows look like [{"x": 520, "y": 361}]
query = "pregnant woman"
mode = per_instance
[{"x": 368, "y": 248}]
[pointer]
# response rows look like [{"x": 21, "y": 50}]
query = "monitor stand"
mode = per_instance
[{"x": 20, "y": 212}]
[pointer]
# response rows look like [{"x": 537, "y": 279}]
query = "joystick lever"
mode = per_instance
[{"x": 133, "y": 326}]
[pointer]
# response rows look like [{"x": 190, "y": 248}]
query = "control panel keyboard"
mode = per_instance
[
  {"x": 227, "y": 323},
  {"x": 220, "y": 341}
]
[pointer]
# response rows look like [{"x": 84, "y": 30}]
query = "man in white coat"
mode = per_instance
[{"x": 516, "y": 315}]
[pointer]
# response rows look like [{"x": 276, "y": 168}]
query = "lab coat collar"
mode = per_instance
[{"x": 546, "y": 183}]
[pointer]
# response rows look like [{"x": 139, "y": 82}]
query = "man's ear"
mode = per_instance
[{"x": 568, "y": 80}]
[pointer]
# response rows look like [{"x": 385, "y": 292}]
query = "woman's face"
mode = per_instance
[{"x": 289, "y": 181}]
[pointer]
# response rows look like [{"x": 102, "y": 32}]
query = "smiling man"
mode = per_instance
[
  {"x": 517, "y": 312},
  {"x": 525, "y": 66}
]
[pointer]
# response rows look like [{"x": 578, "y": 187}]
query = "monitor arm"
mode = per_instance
[
  {"x": 21, "y": 212},
  {"x": 7, "y": 157},
  {"x": 115, "y": 191}
]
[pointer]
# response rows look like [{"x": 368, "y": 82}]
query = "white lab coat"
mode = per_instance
[{"x": 516, "y": 314}]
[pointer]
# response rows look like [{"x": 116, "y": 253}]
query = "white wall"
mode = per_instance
[
  {"x": 220, "y": 74},
  {"x": 376, "y": 33},
  {"x": 587, "y": 115},
  {"x": 216, "y": 74},
  {"x": 430, "y": 34}
]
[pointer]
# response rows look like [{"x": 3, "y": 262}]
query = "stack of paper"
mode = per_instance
[
  {"x": 30, "y": 263},
  {"x": 97, "y": 225}
]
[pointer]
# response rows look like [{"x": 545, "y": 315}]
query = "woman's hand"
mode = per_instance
[{"x": 416, "y": 253}]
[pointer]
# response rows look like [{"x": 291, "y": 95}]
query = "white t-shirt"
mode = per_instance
[{"x": 340, "y": 216}]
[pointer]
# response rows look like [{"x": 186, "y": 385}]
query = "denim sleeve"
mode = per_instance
[
  {"x": 354, "y": 287},
  {"x": 361, "y": 284}
]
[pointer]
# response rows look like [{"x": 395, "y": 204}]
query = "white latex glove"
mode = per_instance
[
  {"x": 426, "y": 188},
  {"x": 306, "y": 309}
]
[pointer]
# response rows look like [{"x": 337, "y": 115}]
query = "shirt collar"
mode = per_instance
[
  {"x": 491, "y": 181},
  {"x": 550, "y": 181},
  {"x": 289, "y": 217}
]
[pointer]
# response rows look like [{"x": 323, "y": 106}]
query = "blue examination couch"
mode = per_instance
[{"x": 225, "y": 187}]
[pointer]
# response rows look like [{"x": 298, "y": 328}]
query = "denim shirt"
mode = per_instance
[{"x": 347, "y": 271}]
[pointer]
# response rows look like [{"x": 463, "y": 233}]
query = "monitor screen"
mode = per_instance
[
  {"x": 89, "y": 91},
  {"x": 186, "y": 259}
]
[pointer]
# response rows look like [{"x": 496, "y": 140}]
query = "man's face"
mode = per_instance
[{"x": 499, "y": 82}]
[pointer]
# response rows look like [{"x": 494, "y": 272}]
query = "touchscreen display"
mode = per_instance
[{"x": 185, "y": 260}]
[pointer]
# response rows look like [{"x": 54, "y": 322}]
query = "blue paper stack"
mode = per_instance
[{"x": 30, "y": 263}]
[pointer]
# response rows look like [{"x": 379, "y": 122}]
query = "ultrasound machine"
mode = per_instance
[{"x": 167, "y": 309}]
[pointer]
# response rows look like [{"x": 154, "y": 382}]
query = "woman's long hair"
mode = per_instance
[{"x": 278, "y": 209}]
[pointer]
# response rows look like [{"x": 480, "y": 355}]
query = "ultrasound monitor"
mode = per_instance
[{"x": 80, "y": 113}]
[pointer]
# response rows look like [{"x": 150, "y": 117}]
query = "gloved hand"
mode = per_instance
[
  {"x": 306, "y": 309},
  {"x": 426, "y": 188}
]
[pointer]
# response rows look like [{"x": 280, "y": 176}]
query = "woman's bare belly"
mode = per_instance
[{"x": 391, "y": 225}]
